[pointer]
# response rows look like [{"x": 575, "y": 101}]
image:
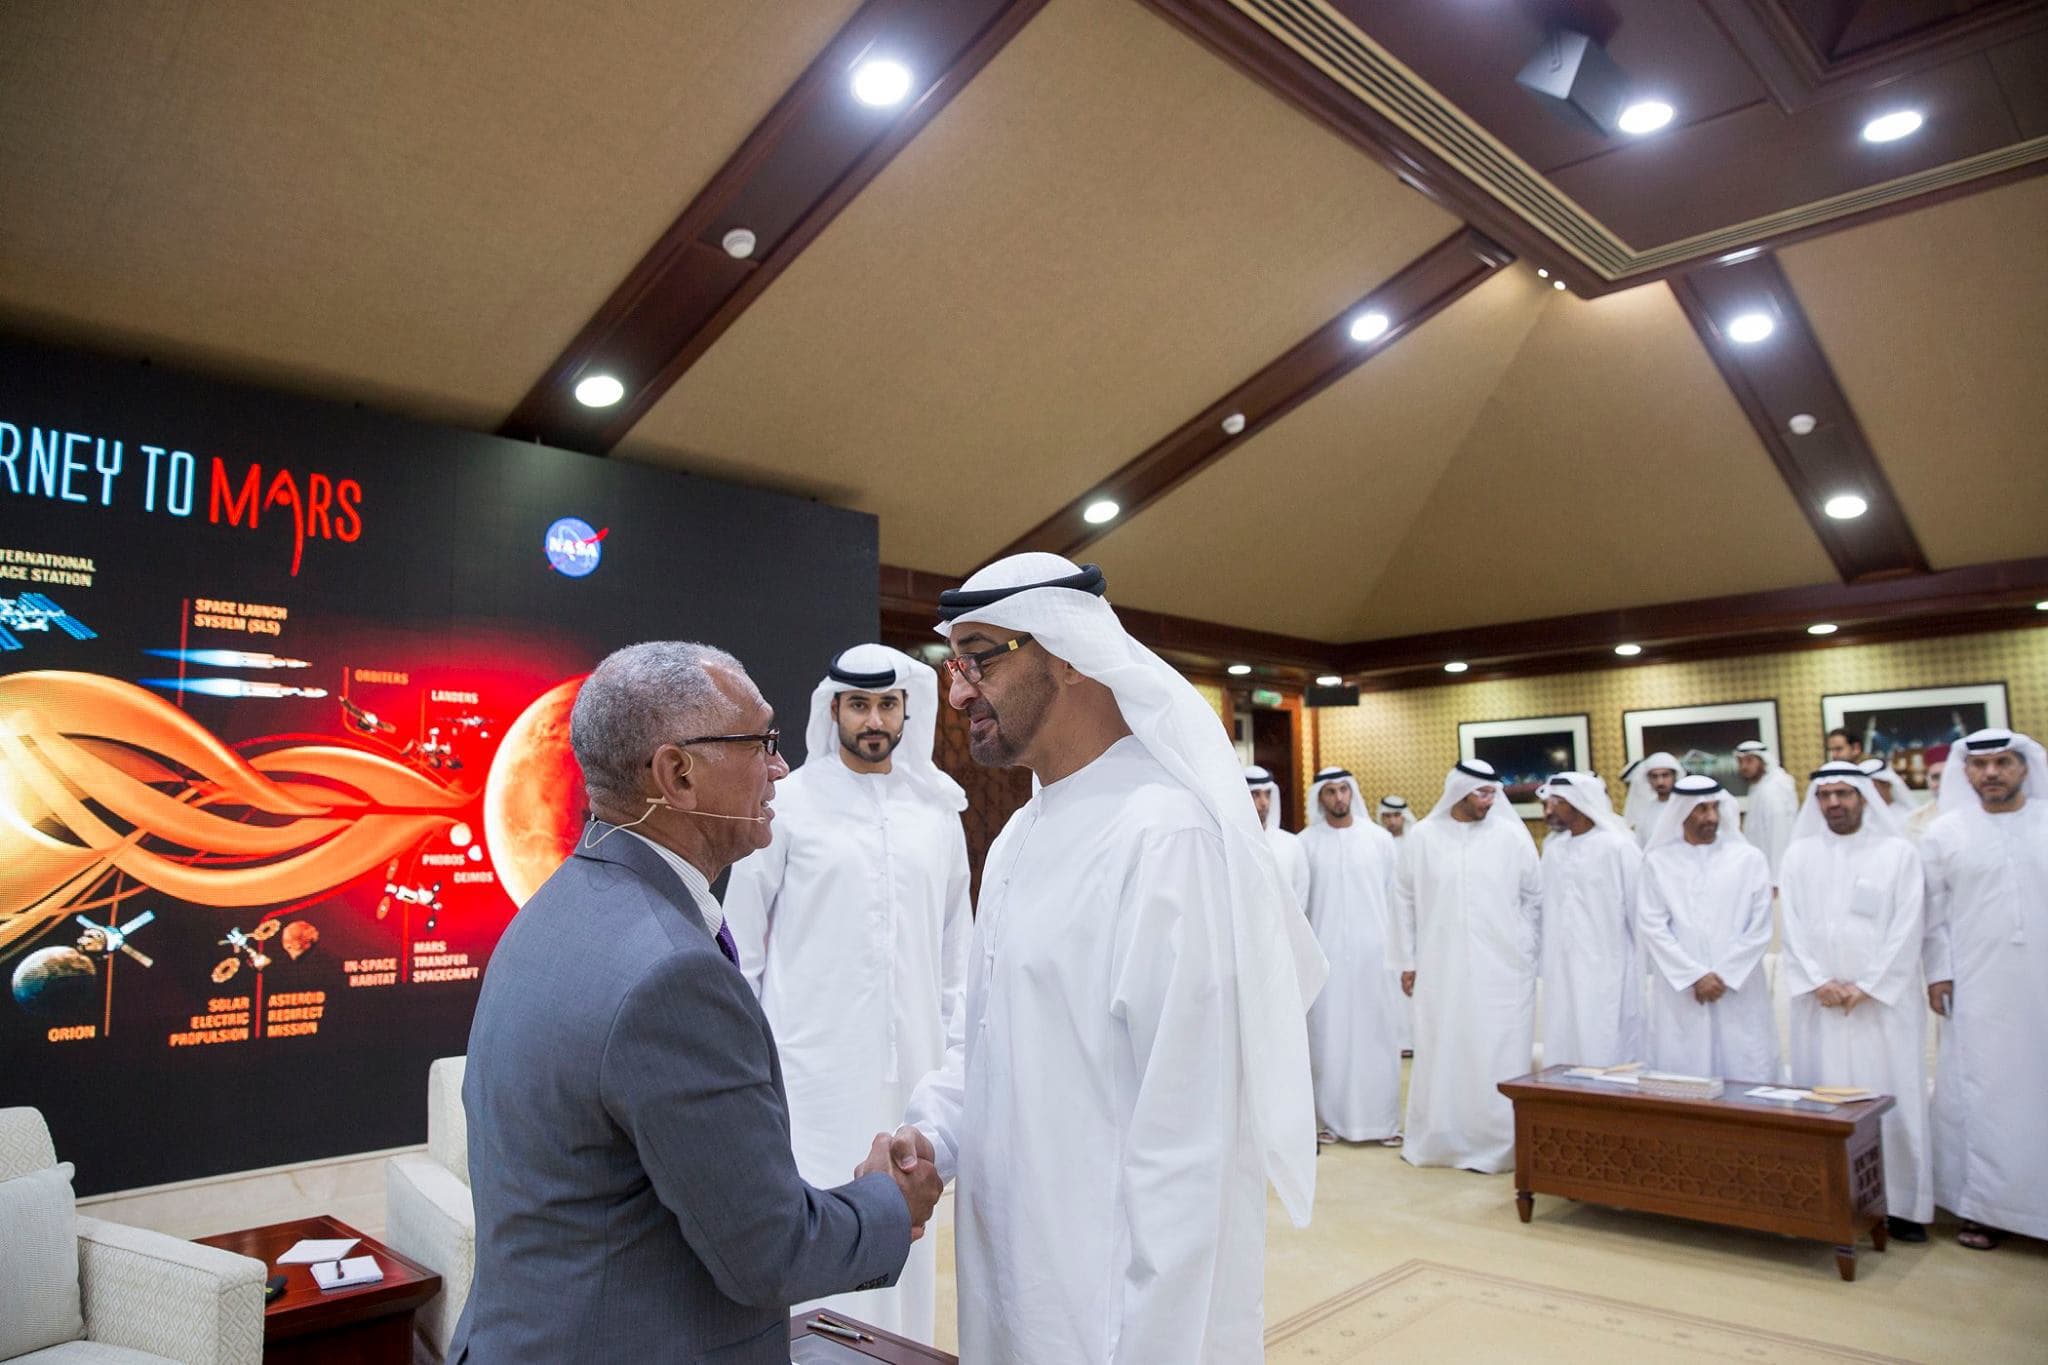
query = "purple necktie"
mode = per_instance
[{"x": 727, "y": 946}]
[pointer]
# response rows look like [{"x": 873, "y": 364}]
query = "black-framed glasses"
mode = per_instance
[
  {"x": 968, "y": 667},
  {"x": 768, "y": 739}
]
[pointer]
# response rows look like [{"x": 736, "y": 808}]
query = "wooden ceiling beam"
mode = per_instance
[
  {"x": 1410, "y": 297},
  {"x": 1787, "y": 374},
  {"x": 802, "y": 164}
]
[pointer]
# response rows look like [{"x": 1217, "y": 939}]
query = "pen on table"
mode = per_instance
[
  {"x": 834, "y": 1329},
  {"x": 837, "y": 1322}
]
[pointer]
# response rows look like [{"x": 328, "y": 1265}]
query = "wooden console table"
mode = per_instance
[
  {"x": 1799, "y": 1168},
  {"x": 816, "y": 1348},
  {"x": 312, "y": 1326}
]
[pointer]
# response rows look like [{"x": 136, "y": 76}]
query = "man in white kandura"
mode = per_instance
[
  {"x": 1132, "y": 1065},
  {"x": 1890, "y": 786},
  {"x": 1987, "y": 969},
  {"x": 1351, "y": 1028},
  {"x": 1851, "y": 896},
  {"x": 1650, "y": 784},
  {"x": 1286, "y": 845},
  {"x": 1592, "y": 969},
  {"x": 1927, "y": 812},
  {"x": 1467, "y": 903},
  {"x": 1773, "y": 802},
  {"x": 1703, "y": 913},
  {"x": 852, "y": 927},
  {"x": 1396, "y": 819}
]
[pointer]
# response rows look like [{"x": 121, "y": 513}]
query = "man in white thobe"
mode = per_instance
[
  {"x": 1890, "y": 786},
  {"x": 1592, "y": 969},
  {"x": 1927, "y": 812},
  {"x": 1351, "y": 1028},
  {"x": 1396, "y": 819},
  {"x": 852, "y": 928},
  {"x": 1703, "y": 913},
  {"x": 1851, "y": 896},
  {"x": 1467, "y": 902},
  {"x": 1987, "y": 969},
  {"x": 1132, "y": 1065},
  {"x": 1286, "y": 845},
  {"x": 1773, "y": 802},
  {"x": 1650, "y": 783}
]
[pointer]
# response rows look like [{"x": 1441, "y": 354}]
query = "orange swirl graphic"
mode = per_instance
[{"x": 99, "y": 776}]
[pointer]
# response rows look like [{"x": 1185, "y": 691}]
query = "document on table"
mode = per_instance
[
  {"x": 1594, "y": 1073},
  {"x": 1776, "y": 1092},
  {"x": 315, "y": 1249},
  {"x": 347, "y": 1274}
]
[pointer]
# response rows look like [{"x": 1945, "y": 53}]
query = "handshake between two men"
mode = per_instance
[{"x": 907, "y": 1157}]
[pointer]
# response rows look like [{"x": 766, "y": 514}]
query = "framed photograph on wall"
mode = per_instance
[
  {"x": 1525, "y": 752},
  {"x": 1900, "y": 727},
  {"x": 1702, "y": 738}
]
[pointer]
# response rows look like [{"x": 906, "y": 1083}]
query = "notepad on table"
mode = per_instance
[
  {"x": 314, "y": 1249},
  {"x": 347, "y": 1274}
]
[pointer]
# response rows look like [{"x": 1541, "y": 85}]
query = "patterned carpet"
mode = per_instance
[{"x": 1422, "y": 1310}]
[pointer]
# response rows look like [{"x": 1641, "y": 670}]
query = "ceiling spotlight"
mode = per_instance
[
  {"x": 1628, "y": 651},
  {"x": 881, "y": 83},
  {"x": 2041, "y": 606},
  {"x": 1751, "y": 328},
  {"x": 1541, "y": 273},
  {"x": 1802, "y": 424},
  {"x": 1893, "y": 126},
  {"x": 1239, "y": 670},
  {"x": 1748, "y": 253},
  {"x": 1845, "y": 507},
  {"x": 739, "y": 243},
  {"x": 1369, "y": 327},
  {"x": 1557, "y": 284},
  {"x": 1332, "y": 680},
  {"x": 1233, "y": 424},
  {"x": 1456, "y": 666},
  {"x": 1100, "y": 511},
  {"x": 1645, "y": 116},
  {"x": 1824, "y": 628},
  {"x": 599, "y": 391}
]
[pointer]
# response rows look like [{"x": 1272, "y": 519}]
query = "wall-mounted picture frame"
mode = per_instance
[
  {"x": 1525, "y": 752},
  {"x": 1702, "y": 738},
  {"x": 1900, "y": 727}
]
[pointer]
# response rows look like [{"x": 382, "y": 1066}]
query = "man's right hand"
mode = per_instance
[
  {"x": 1709, "y": 988},
  {"x": 1407, "y": 983},
  {"x": 1941, "y": 995},
  {"x": 907, "y": 1157}
]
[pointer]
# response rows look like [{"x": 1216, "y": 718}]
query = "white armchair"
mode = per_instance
[
  {"x": 136, "y": 1297},
  {"x": 427, "y": 1211}
]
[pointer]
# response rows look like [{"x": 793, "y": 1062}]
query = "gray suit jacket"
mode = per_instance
[{"x": 629, "y": 1155}]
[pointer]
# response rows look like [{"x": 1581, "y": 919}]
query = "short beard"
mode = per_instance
[
  {"x": 852, "y": 745},
  {"x": 1017, "y": 725}
]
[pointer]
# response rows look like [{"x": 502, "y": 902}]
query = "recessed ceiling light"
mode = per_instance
[
  {"x": 1456, "y": 666},
  {"x": 1628, "y": 651},
  {"x": 2041, "y": 606},
  {"x": 1645, "y": 116},
  {"x": 1369, "y": 327},
  {"x": 1099, "y": 511},
  {"x": 599, "y": 391},
  {"x": 1239, "y": 670},
  {"x": 1557, "y": 284},
  {"x": 1893, "y": 126},
  {"x": 1845, "y": 507},
  {"x": 881, "y": 82},
  {"x": 1332, "y": 680},
  {"x": 1541, "y": 273},
  {"x": 1824, "y": 628},
  {"x": 1750, "y": 328},
  {"x": 1233, "y": 424},
  {"x": 1802, "y": 424},
  {"x": 739, "y": 243},
  {"x": 1747, "y": 253}
]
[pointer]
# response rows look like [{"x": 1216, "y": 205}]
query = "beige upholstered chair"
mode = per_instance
[
  {"x": 427, "y": 1211},
  {"x": 80, "y": 1291}
]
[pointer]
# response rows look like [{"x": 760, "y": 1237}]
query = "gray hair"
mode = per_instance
[{"x": 640, "y": 698}]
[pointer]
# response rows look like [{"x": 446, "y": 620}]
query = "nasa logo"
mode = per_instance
[{"x": 574, "y": 548}]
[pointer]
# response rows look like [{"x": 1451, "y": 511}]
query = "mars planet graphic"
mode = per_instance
[{"x": 533, "y": 799}]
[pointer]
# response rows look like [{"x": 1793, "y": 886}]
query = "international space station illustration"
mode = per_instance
[{"x": 32, "y": 612}]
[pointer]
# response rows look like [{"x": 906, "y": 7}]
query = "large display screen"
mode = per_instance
[{"x": 284, "y": 698}]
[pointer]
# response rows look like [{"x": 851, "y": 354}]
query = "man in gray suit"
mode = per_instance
[{"x": 636, "y": 1198}]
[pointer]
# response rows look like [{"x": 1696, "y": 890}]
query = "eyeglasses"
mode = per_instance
[
  {"x": 767, "y": 739},
  {"x": 968, "y": 667}
]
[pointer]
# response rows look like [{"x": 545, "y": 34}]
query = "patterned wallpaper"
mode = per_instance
[{"x": 1405, "y": 741}]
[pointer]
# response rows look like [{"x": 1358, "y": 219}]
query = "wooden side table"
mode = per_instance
[
  {"x": 306, "y": 1325},
  {"x": 1799, "y": 1168}
]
